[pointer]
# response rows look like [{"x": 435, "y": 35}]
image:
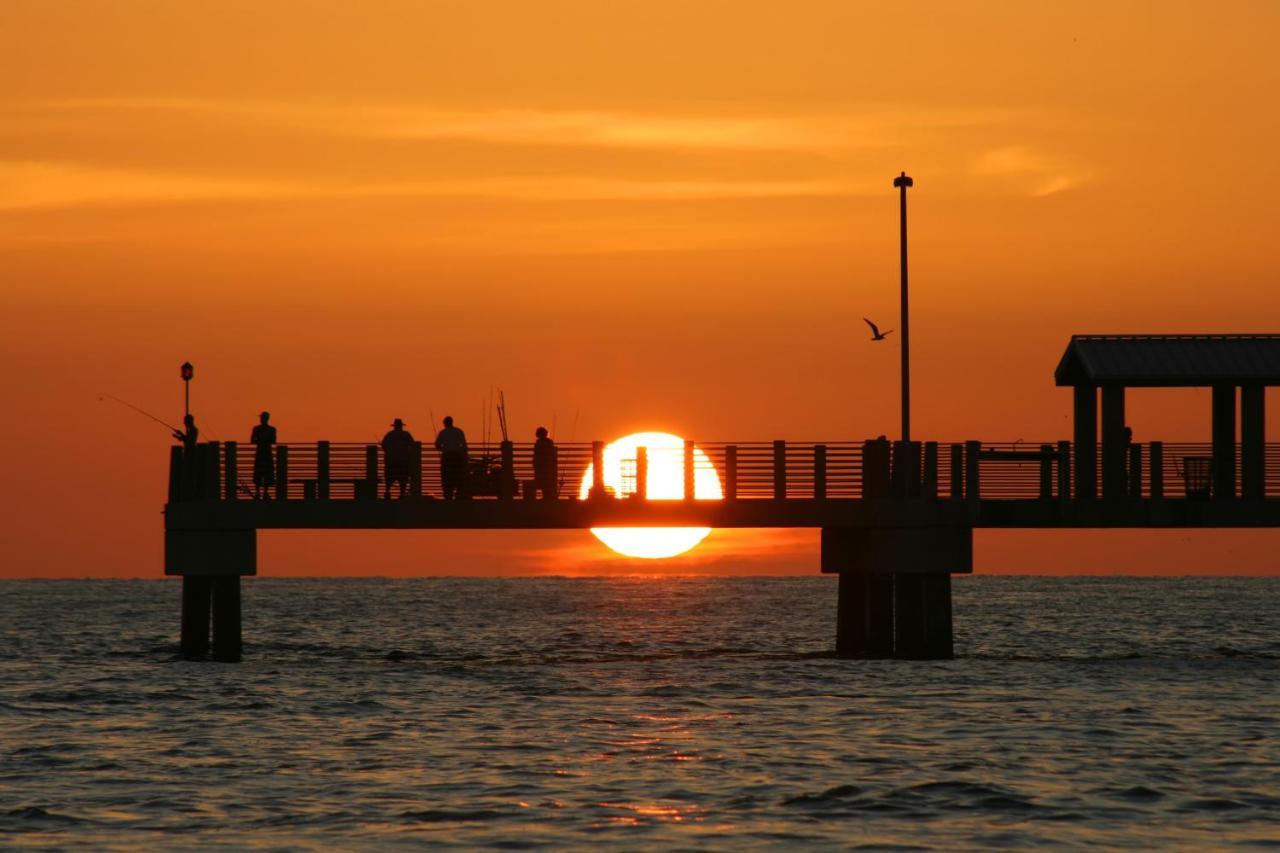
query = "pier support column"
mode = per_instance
[
  {"x": 226, "y": 618},
  {"x": 211, "y": 563},
  {"x": 864, "y": 616},
  {"x": 895, "y": 588},
  {"x": 195, "y": 616}
]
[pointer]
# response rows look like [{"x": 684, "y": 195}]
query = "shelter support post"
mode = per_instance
[
  {"x": 1086, "y": 441},
  {"x": 1224, "y": 442},
  {"x": 1157, "y": 470},
  {"x": 1113, "y": 443},
  {"x": 1253, "y": 427}
]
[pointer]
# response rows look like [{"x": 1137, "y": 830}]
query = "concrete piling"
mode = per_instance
[
  {"x": 226, "y": 618},
  {"x": 195, "y": 616}
]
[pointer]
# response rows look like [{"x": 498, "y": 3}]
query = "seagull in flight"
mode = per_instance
[{"x": 876, "y": 334}]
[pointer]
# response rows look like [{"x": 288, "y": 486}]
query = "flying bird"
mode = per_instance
[{"x": 876, "y": 334}]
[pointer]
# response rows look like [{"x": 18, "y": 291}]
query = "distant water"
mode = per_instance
[{"x": 640, "y": 712}]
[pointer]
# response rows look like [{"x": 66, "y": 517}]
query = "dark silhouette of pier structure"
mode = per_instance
[{"x": 896, "y": 518}]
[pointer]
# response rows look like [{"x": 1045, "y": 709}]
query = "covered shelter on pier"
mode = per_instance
[{"x": 1110, "y": 364}]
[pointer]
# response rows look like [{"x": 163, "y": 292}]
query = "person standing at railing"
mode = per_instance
[
  {"x": 397, "y": 448},
  {"x": 263, "y": 439},
  {"x": 545, "y": 465},
  {"x": 189, "y": 435},
  {"x": 452, "y": 444}
]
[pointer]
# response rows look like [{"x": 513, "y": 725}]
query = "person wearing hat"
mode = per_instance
[
  {"x": 263, "y": 439},
  {"x": 397, "y": 449},
  {"x": 452, "y": 444},
  {"x": 545, "y": 465}
]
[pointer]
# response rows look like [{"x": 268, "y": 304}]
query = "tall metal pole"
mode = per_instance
[
  {"x": 186, "y": 372},
  {"x": 902, "y": 182}
]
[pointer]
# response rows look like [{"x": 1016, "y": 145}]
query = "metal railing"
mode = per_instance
[{"x": 744, "y": 470}]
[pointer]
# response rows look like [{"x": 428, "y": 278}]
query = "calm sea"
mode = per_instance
[{"x": 638, "y": 712}]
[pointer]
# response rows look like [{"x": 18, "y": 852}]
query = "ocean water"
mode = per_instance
[{"x": 640, "y": 712}]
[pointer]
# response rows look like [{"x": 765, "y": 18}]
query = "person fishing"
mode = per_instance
[
  {"x": 452, "y": 444},
  {"x": 263, "y": 439},
  {"x": 189, "y": 435},
  {"x": 397, "y": 448},
  {"x": 545, "y": 465}
]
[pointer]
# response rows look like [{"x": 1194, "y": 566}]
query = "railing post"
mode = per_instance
[
  {"x": 1157, "y": 470},
  {"x": 875, "y": 468},
  {"x": 213, "y": 472},
  {"x": 232, "y": 486},
  {"x": 820, "y": 471},
  {"x": 972, "y": 478},
  {"x": 1135, "y": 470},
  {"x": 415, "y": 471},
  {"x": 367, "y": 489},
  {"x": 1046, "y": 472},
  {"x": 642, "y": 473},
  {"x": 930, "y": 489},
  {"x": 779, "y": 470},
  {"x": 282, "y": 472},
  {"x": 597, "y": 470},
  {"x": 689, "y": 489},
  {"x": 322, "y": 470},
  {"x": 731, "y": 472},
  {"x": 957, "y": 472},
  {"x": 915, "y": 481},
  {"x": 898, "y": 470},
  {"x": 1064, "y": 470},
  {"x": 507, "y": 451}
]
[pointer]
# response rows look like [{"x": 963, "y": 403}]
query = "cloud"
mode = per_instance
[
  {"x": 1032, "y": 172},
  {"x": 27, "y": 184},
  {"x": 30, "y": 185},
  {"x": 732, "y": 550},
  {"x": 868, "y": 126}
]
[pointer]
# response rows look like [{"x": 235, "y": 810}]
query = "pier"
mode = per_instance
[{"x": 896, "y": 517}]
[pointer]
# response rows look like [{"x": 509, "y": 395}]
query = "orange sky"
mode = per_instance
[{"x": 658, "y": 213}]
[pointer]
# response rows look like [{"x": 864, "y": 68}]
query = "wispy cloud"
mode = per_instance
[
  {"x": 863, "y": 127},
  {"x": 28, "y": 185},
  {"x": 1034, "y": 172}
]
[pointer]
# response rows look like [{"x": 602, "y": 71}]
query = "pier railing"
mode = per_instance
[{"x": 742, "y": 471}]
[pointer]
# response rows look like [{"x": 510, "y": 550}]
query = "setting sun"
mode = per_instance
[{"x": 665, "y": 482}]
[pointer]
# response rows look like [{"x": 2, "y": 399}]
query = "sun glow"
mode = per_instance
[{"x": 665, "y": 454}]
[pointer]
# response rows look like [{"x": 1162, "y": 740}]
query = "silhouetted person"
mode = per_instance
[
  {"x": 263, "y": 439},
  {"x": 545, "y": 465},
  {"x": 452, "y": 444},
  {"x": 189, "y": 435},
  {"x": 397, "y": 447}
]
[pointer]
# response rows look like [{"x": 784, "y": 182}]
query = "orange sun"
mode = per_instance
[{"x": 666, "y": 482}]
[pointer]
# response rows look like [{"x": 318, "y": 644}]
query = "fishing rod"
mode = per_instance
[
  {"x": 240, "y": 484},
  {"x": 105, "y": 396}
]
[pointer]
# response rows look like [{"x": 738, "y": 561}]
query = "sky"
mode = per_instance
[{"x": 628, "y": 216}]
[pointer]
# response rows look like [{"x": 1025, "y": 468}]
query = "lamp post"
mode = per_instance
[
  {"x": 902, "y": 182},
  {"x": 186, "y": 371}
]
